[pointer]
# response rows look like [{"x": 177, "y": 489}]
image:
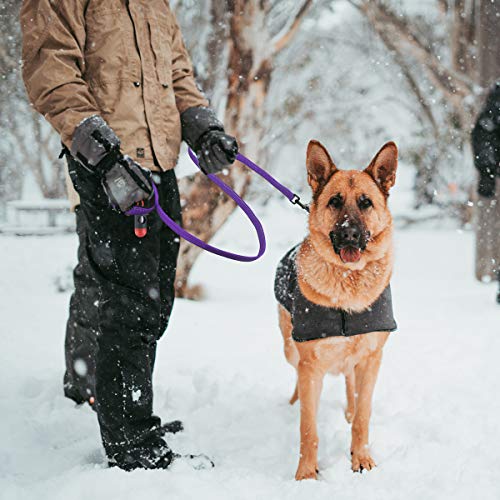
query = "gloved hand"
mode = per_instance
[
  {"x": 97, "y": 149},
  {"x": 205, "y": 135},
  {"x": 126, "y": 183},
  {"x": 216, "y": 151}
]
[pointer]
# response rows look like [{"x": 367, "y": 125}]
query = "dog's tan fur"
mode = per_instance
[{"x": 328, "y": 281}]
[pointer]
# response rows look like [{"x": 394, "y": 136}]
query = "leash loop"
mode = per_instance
[{"x": 176, "y": 228}]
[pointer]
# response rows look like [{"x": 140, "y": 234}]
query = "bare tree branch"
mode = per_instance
[
  {"x": 404, "y": 65},
  {"x": 284, "y": 38},
  {"x": 455, "y": 85},
  {"x": 443, "y": 6}
]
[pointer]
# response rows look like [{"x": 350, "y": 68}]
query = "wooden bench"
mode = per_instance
[
  {"x": 51, "y": 207},
  {"x": 24, "y": 217}
]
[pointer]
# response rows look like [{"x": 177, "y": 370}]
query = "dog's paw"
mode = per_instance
[
  {"x": 362, "y": 461},
  {"x": 194, "y": 292},
  {"x": 306, "y": 471}
]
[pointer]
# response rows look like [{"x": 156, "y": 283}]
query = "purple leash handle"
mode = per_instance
[{"x": 176, "y": 228}]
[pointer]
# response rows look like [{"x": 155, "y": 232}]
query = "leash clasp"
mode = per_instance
[{"x": 296, "y": 201}]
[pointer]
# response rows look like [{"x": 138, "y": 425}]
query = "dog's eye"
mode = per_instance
[
  {"x": 336, "y": 202},
  {"x": 364, "y": 203}
]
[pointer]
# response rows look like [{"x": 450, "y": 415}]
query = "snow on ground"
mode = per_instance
[{"x": 434, "y": 433}]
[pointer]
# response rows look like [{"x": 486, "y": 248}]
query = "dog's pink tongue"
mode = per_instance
[{"x": 350, "y": 254}]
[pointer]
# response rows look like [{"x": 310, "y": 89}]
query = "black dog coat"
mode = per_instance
[{"x": 311, "y": 321}]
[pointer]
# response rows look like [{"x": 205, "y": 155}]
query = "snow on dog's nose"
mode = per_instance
[
  {"x": 350, "y": 235},
  {"x": 349, "y": 240}
]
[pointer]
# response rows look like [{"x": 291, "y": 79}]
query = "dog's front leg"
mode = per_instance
[
  {"x": 366, "y": 377},
  {"x": 350, "y": 410},
  {"x": 310, "y": 382}
]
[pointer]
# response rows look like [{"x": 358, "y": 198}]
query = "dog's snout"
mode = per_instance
[{"x": 350, "y": 234}]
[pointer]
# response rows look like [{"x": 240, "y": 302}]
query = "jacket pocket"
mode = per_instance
[
  {"x": 105, "y": 57},
  {"x": 102, "y": 24},
  {"x": 161, "y": 40}
]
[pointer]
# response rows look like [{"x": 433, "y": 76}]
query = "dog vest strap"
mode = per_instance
[{"x": 176, "y": 228}]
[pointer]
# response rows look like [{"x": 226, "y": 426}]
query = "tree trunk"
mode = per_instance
[
  {"x": 251, "y": 51},
  {"x": 463, "y": 33},
  {"x": 488, "y": 209}
]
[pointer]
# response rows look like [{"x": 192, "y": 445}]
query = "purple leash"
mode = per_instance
[{"x": 176, "y": 228}]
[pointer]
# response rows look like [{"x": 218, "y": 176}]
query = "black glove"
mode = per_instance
[
  {"x": 205, "y": 135},
  {"x": 216, "y": 151},
  {"x": 126, "y": 183},
  {"x": 97, "y": 148}
]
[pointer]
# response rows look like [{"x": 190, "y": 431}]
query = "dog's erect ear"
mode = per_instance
[
  {"x": 320, "y": 166},
  {"x": 383, "y": 167}
]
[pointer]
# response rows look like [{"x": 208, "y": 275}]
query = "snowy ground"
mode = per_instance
[{"x": 435, "y": 431}]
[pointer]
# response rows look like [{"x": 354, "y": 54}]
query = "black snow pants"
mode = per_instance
[{"x": 124, "y": 293}]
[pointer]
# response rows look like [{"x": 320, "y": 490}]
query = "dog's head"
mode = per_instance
[{"x": 349, "y": 216}]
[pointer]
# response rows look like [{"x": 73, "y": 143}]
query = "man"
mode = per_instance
[
  {"x": 114, "y": 79},
  {"x": 486, "y": 146}
]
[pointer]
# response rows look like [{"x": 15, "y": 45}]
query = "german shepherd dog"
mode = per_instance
[{"x": 342, "y": 267}]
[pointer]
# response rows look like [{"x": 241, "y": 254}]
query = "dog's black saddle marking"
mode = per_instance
[{"x": 311, "y": 321}]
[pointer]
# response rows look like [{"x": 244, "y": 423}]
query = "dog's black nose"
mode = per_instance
[{"x": 350, "y": 234}]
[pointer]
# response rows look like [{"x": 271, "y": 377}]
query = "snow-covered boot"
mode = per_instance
[
  {"x": 171, "y": 427},
  {"x": 151, "y": 457},
  {"x": 157, "y": 457}
]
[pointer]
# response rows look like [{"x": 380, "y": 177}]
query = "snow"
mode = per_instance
[
  {"x": 221, "y": 369},
  {"x": 136, "y": 395}
]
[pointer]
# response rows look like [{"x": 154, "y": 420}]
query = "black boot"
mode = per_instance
[
  {"x": 156, "y": 456},
  {"x": 171, "y": 427}
]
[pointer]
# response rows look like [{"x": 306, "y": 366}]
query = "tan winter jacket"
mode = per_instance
[{"x": 122, "y": 59}]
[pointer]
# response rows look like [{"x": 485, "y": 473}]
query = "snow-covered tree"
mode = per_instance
[
  {"x": 237, "y": 43},
  {"x": 27, "y": 143}
]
